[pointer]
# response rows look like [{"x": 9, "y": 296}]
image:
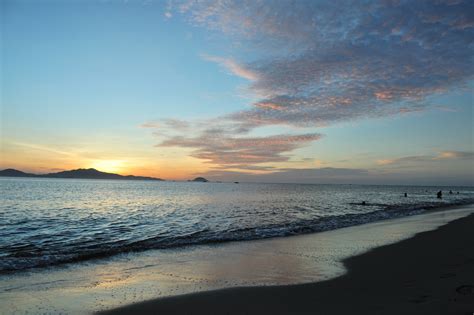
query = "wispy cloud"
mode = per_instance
[
  {"x": 288, "y": 175},
  {"x": 234, "y": 67},
  {"x": 464, "y": 155},
  {"x": 168, "y": 124},
  {"x": 442, "y": 155},
  {"x": 37, "y": 147},
  {"x": 406, "y": 160}
]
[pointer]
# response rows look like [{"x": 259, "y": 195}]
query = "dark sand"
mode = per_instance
[{"x": 431, "y": 273}]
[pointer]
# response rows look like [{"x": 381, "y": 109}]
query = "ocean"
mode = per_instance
[{"x": 48, "y": 222}]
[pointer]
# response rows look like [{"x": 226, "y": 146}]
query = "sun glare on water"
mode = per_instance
[{"x": 109, "y": 166}]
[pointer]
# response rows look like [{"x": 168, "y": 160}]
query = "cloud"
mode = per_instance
[
  {"x": 464, "y": 155},
  {"x": 347, "y": 176},
  {"x": 150, "y": 124},
  {"x": 176, "y": 124},
  {"x": 224, "y": 150},
  {"x": 233, "y": 67},
  {"x": 284, "y": 20},
  {"x": 288, "y": 175},
  {"x": 319, "y": 63},
  {"x": 443, "y": 155},
  {"x": 322, "y": 62},
  {"x": 406, "y": 160},
  {"x": 167, "y": 124}
]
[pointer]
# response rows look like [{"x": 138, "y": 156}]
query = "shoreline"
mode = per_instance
[
  {"x": 131, "y": 278},
  {"x": 430, "y": 273},
  {"x": 415, "y": 211}
]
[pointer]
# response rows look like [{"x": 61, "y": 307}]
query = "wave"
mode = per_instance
[{"x": 26, "y": 258}]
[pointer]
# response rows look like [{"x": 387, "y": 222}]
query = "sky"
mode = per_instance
[{"x": 371, "y": 92}]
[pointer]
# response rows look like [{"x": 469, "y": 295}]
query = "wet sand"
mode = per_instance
[{"x": 431, "y": 273}]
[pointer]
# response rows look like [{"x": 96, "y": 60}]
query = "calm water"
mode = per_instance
[{"x": 52, "y": 221}]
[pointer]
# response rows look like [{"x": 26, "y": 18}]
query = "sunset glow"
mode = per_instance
[{"x": 111, "y": 166}]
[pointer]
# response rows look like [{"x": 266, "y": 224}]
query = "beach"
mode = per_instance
[
  {"x": 430, "y": 273},
  {"x": 68, "y": 250}
]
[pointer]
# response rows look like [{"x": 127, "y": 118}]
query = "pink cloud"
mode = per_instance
[{"x": 234, "y": 67}]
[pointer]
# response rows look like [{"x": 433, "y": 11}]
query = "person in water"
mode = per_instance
[
  {"x": 406, "y": 195},
  {"x": 439, "y": 194},
  {"x": 450, "y": 192}
]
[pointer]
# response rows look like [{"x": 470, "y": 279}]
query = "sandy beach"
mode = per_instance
[{"x": 431, "y": 273}]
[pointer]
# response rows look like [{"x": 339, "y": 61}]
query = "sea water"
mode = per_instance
[{"x": 47, "y": 222}]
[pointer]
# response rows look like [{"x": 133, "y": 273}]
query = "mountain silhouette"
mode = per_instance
[
  {"x": 10, "y": 172},
  {"x": 89, "y": 173}
]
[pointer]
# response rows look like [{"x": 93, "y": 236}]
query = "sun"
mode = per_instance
[{"x": 110, "y": 166}]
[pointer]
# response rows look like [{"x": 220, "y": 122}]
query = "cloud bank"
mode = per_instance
[
  {"x": 227, "y": 151},
  {"x": 324, "y": 62},
  {"x": 330, "y": 61},
  {"x": 443, "y": 155}
]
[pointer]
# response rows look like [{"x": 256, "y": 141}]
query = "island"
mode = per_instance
[
  {"x": 89, "y": 173},
  {"x": 199, "y": 179}
]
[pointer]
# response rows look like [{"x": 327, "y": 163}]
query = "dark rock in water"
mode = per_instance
[{"x": 200, "y": 179}]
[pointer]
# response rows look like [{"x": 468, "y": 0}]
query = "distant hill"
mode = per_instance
[
  {"x": 200, "y": 179},
  {"x": 10, "y": 172},
  {"x": 89, "y": 173}
]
